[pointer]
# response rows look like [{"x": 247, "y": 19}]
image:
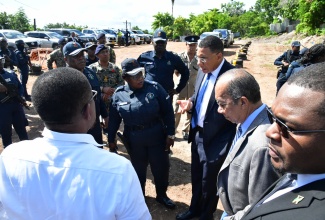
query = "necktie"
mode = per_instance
[
  {"x": 283, "y": 183},
  {"x": 199, "y": 99},
  {"x": 237, "y": 136}
]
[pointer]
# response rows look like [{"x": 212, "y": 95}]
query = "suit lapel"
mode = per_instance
[
  {"x": 257, "y": 121},
  {"x": 285, "y": 202},
  {"x": 226, "y": 66},
  {"x": 200, "y": 77}
]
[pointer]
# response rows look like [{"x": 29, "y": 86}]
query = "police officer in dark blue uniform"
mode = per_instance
[
  {"x": 9, "y": 55},
  {"x": 160, "y": 64},
  {"x": 23, "y": 66},
  {"x": 74, "y": 57},
  {"x": 90, "y": 56},
  {"x": 149, "y": 126},
  {"x": 11, "y": 111},
  {"x": 285, "y": 60}
]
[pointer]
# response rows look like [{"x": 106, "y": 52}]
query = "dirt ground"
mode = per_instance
[{"x": 260, "y": 57}]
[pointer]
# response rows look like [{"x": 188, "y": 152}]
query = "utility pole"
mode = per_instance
[{"x": 126, "y": 24}]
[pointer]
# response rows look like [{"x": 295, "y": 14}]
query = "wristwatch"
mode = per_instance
[{"x": 171, "y": 137}]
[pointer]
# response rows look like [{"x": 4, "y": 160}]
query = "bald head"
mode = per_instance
[{"x": 238, "y": 83}]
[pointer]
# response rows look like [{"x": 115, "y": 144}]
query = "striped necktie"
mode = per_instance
[
  {"x": 237, "y": 136},
  {"x": 198, "y": 102}
]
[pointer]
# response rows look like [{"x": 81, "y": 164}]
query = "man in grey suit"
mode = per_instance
[
  {"x": 210, "y": 133},
  {"x": 247, "y": 171},
  {"x": 297, "y": 147}
]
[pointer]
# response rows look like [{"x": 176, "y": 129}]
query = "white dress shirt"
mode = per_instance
[
  {"x": 65, "y": 176},
  {"x": 207, "y": 94},
  {"x": 302, "y": 179}
]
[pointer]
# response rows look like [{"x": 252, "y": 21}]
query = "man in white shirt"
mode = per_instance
[
  {"x": 64, "y": 175},
  {"x": 247, "y": 171},
  {"x": 297, "y": 147}
]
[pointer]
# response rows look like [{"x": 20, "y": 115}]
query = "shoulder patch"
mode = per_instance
[{"x": 151, "y": 82}]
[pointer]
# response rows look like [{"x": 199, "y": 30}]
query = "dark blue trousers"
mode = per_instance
[
  {"x": 204, "y": 181},
  {"x": 12, "y": 114},
  {"x": 24, "y": 79},
  {"x": 148, "y": 147}
]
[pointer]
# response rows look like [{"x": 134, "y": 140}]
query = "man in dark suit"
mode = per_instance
[
  {"x": 210, "y": 133},
  {"x": 247, "y": 171},
  {"x": 297, "y": 147}
]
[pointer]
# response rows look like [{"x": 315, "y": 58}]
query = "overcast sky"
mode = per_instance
[{"x": 107, "y": 13}]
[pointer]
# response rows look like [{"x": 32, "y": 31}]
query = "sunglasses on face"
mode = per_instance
[{"x": 285, "y": 129}]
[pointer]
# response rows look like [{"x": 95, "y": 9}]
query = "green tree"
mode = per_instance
[
  {"x": 162, "y": 20},
  {"x": 267, "y": 9},
  {"x": 233, "y": 8},
  {"x": 136, "y": 28},
  {"x": 311, "y": 15},
  {"x": 289, "y": 9},
  {"x": 4, "y": 20},
  {"x": 18, "y": 21},
  {"x": 180, "y": 27},
  {"x": 64, "y": 25}
]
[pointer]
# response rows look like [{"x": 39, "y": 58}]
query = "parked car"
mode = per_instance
[
  {"x": 110, "y": 31},
  {"x": 135, "y": 39},
  {"x": 12, "y": 36},
  {"x": 84, "y": 38},
  {"x": 147, "y": 37},
  {"x": 217, "y": 34},
  {"x": 231, "y": 36},
  {"x": 225, "y": 36},
  {"x": 140, "y": 36},
  {"x": 47, "y": 38},
  {"x": 110, "y": 38}
]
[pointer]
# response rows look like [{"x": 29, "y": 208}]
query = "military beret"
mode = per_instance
[
  {"x": 62, "y": 41},
  {"x": 99, "y": 48},
  {"x": 100, "y": 35}
]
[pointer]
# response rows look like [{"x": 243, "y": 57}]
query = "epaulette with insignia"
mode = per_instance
[
  {"x": 120, "y": 88},
  {"x": 152, "y": 82}
]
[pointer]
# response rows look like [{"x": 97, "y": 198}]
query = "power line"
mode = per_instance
[{"x": 26, "y": 5}]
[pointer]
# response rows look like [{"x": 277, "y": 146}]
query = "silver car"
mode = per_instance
[
  {"x": 47, "y": 39},
  {"x": 12, "y": 36}
]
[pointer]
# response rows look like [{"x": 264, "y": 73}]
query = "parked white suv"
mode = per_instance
[
  {"x": 110, "y": 38},
  {"x": 47, "y": 38},
  {"x": 12, "y": 36}
]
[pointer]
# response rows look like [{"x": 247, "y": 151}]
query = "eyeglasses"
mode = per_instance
[
  {"x": 204, "y": 59},
  {"x": 93, "y": 97},
  {"x": 223, "y": 105},
  {"x": 284, "y": 128}
]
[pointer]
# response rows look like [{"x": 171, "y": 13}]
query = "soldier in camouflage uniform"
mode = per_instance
[
  {"x": 57, "y": 56},
  {"x": 190, "y": 60},
  {"x": 109, "y": 75},
  {"x": 101, "y": 39}
]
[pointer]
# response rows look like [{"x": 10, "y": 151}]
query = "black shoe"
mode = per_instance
[
  {"x": 186, "y": 215},
  {"x": 167, "y": 202},
  {"x": 28, "y": 98}
]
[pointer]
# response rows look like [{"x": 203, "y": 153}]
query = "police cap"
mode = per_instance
[
  {"x": 99, "y": 48},
  {"x": 100, "y": 35},
  {"x": 62, "y": 41},
  {"x": 192, "y": 39},
  {"x": 18, "y": 42},
  {"x": 295, "y": 44},
  {"x": 131, "y": 67},
  {"x": 89, "y": 45},
  {"x": 72, "y": 49},
  {"x": 159, "y": 35}
]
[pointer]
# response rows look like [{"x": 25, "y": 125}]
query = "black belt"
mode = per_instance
[
  {"x": 199, "y": 129},
  {"x": 141, "y": 127}
]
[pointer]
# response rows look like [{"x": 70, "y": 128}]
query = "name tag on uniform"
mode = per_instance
[
  {"x": 149, "y": 63},
  {"x": 8, "y": 80},
  {"x": 123, "y": 103}
]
